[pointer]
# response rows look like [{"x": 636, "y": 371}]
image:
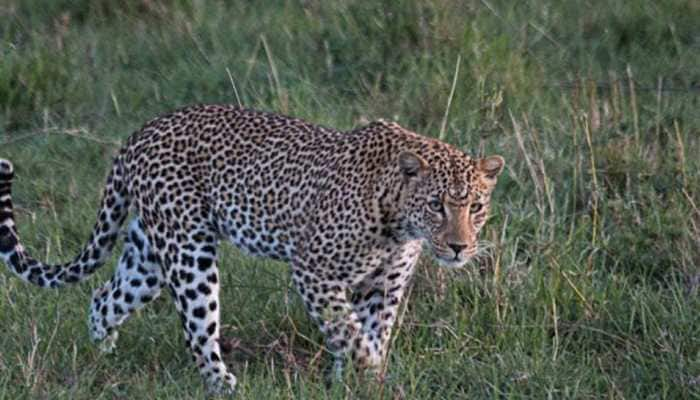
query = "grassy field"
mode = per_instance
[{"x": 591, "y": 289}]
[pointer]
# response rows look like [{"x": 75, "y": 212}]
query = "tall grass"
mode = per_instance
[{"x": 590, "y": 289}]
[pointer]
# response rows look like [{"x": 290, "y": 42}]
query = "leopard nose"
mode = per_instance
[{"x": 457, "y": 247}]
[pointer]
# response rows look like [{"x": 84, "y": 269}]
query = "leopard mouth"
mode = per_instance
[
  {"x": 452, "y": 262},
  {"x": 448, "y": 258}
]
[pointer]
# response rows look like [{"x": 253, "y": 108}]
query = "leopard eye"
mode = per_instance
[
  {"x": 436, "y": 205},
  {"x": 475, "y": 208}
]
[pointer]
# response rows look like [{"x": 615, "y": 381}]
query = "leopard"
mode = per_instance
[{"x": 349, "y": 211}]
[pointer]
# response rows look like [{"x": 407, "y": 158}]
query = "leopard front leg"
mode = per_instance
[
  {"x": 376, "y": 302},
  {"x": 360, "y": 326},
  {"x": 328, "y": 305},
  {"x": 377, "y": 308}
]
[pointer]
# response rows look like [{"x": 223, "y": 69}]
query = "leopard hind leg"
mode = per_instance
[{"x": 137, "y": 281}]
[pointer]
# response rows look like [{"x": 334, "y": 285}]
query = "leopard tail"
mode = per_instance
[{"x": 113, "y": 211}]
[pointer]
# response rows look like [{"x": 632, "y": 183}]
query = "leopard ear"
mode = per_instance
[
  {"x": 492, "y": 166},
  {"x": 411, "y": 164}
]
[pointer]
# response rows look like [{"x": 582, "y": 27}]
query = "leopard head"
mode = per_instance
[{"x": 446, "y": 201}]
